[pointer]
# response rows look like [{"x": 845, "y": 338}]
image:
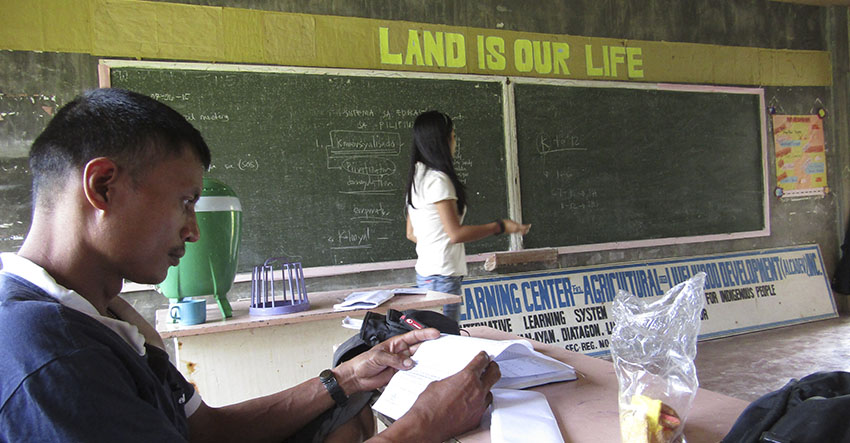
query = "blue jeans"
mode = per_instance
[{"x": 443, "y": 283}]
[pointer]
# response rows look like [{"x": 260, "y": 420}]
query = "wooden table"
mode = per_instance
[
  {"x": 242, "y": 357},
  {"x": 586, "y": 408}
]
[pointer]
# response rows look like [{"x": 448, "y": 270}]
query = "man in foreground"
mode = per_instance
[{"x": 115, "y": 179}]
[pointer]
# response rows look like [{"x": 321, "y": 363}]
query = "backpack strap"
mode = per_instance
[{"x": 378, "y": 327}]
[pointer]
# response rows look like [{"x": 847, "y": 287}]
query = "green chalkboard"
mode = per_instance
[
  {"x": 608, "y": 164},
  {"x": 320, "y": 161}
]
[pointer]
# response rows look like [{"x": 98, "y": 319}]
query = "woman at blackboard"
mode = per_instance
[{"x": 436, "y": 205}]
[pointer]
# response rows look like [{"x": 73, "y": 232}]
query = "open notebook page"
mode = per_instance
[{"x": 521, "y": 367}]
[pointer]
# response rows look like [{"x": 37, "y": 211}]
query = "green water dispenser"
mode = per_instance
[{"x": 209, "y": 266}]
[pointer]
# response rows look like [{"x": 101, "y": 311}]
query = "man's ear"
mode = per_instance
[{"x": 99, "y": 177}]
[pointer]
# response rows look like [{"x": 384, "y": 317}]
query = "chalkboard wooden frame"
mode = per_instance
[
  {"x": 763, "y": 231},
  {"x": 104, "y": 71}
]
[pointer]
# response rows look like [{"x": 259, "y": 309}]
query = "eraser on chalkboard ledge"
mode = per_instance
[{"x": 499, "y": 259}]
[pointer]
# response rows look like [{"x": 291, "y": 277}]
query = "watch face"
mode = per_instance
[{"x": 326, "y": 374}]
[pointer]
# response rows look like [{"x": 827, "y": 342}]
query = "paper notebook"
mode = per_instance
[{"x": 520, "y": 364}]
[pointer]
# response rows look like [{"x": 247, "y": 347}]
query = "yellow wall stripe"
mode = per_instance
[{"x": 157, "y": 30}]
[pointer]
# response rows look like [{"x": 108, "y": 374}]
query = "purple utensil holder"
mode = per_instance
[{"x": 277, "y": 287}]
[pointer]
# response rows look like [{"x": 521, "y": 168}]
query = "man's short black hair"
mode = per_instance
[{"x": 132, "y": 129}]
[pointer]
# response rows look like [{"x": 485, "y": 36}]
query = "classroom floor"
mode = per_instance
[{"x": 750, "y": 365}]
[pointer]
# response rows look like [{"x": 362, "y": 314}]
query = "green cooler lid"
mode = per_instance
[{"x": 216, "y": 196}]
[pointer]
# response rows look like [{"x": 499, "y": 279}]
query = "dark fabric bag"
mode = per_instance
[
  {"x": 378, "y": 327},
  {"x": 813, "y": 409}
]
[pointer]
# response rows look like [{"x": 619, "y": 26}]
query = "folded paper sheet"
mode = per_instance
[{"x": 522, "y": 416}]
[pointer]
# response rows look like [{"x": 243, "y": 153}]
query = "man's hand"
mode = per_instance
[
  {"x": 450, "y": 407},
  {"x": 374, "y": 368}
]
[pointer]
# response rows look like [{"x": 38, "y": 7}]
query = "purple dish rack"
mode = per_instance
[{"x": 289, "y": 298}]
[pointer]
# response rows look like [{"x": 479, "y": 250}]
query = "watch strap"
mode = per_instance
[
  {"x": 501, "y": 224},
  {"x": 334, "y": 389}
]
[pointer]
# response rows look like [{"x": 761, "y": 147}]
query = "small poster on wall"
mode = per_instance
[{"x": 800, "y": 156}]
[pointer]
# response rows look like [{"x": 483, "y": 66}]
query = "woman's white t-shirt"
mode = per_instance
[{"x": 436, "y": 254}]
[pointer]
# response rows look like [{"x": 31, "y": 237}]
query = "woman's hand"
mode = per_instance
[
  {"x": 409, "y": 230},
  {"x": 512, "y": 227}
]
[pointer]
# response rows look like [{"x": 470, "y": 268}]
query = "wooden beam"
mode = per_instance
[{"x": 499, "y": 259}]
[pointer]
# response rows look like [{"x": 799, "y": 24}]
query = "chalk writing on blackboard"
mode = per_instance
[
  {"x": 345, "y": 143},
  {"x": 166, "y": 97},
  {"x": 249, "y": 164},
  {"x": 209, "y": 117},
  {"x": 350, "y": 112},
  {"x": 352, "y": 238},
  {"x": 373, "y": 214},
  {"x": 463, "y": 164},
  {"x": 575, "y": 199},
  {"x": 316, "y": 159},
  {"x": 547, "y": 144},
  {"x": 369, "y": 159},
  {"x": 368, "y": 166}
]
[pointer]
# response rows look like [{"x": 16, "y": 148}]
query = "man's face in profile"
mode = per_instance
[{"x": 154, "y": 219}]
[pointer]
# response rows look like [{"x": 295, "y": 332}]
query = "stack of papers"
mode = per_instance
[
  {"x": 371, "y": 299},
  {"x": 410, "y": 291},
  {"x": 521, "y": 367},
  {"x": 364, "y": 300},
  {"x": 521, "y": 416}
]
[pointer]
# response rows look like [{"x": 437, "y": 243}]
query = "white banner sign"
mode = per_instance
[{"x": 744, "y": 291}]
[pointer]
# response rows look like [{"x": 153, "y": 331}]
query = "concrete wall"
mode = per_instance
[{"x": 759, "y": 23}]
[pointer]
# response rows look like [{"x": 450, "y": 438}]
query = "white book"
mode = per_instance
[{"x": 521, "y": 367}]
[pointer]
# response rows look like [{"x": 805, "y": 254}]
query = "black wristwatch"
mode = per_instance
[{"x": 327, "y": 378}]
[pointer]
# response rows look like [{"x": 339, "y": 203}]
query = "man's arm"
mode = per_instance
[
  {"x": 269, "y": 418},
  {"x": 276, "y": 416}
]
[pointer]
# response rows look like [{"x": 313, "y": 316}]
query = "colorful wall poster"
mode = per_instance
[
  {"x": 800, "y": 156},
  {"x": 571, "y": 308}
]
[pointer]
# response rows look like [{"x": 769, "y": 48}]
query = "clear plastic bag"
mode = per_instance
[{"x": 653, "y": 346}]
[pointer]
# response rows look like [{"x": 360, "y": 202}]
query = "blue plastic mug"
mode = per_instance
[{"x": 189, "y": 312}]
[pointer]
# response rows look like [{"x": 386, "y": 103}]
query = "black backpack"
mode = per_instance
[
  {"x": 811, "y": 410},
  {"x": 378, "y": 327}
]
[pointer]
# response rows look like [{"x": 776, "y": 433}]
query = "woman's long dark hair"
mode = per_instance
[{"x": 431, "y": 133}]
